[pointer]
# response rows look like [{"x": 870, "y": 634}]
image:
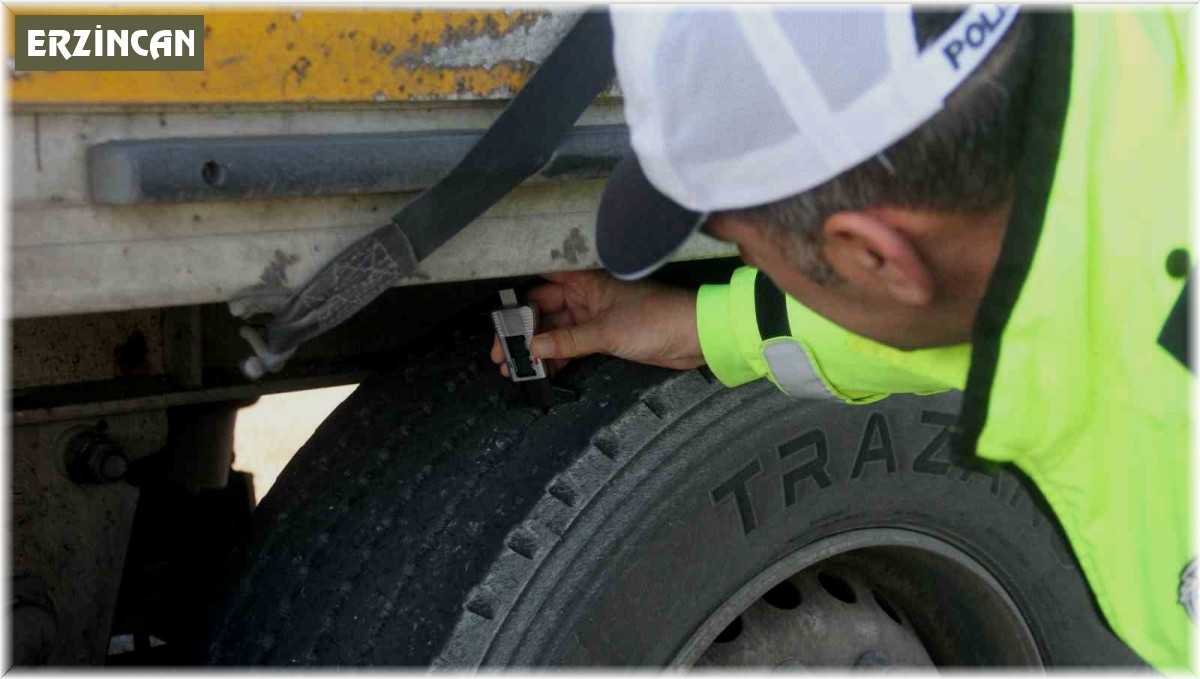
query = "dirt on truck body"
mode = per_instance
[{"x": 437, "y": 518}]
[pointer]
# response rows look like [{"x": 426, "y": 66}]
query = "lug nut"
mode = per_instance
[{"x": 93, "y": 457}]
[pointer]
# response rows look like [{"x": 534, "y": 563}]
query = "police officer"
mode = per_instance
[{"x": 986, "y": 200}]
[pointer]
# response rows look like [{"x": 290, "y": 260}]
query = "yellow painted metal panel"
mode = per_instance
[{"x": 325, "y": 55}]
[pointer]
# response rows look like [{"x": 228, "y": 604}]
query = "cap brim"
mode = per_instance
[{"x": 638, "y": 228}]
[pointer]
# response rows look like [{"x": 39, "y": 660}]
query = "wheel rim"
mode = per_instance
[{"x": 872, "y": 597}]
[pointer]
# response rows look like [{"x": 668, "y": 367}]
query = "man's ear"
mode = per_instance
[{"x": 870, "y": 252}]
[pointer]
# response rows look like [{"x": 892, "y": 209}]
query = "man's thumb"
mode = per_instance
[{"x": 572, "y": 342}]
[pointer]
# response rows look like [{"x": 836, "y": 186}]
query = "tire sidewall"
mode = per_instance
[{"x": 731, "y": 486}]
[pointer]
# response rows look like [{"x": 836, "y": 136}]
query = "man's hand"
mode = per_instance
[{"x": 589, "y": 312}]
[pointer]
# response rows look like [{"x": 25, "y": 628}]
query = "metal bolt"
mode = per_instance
[
  {"x": 93, "y": 457},
  {"x": 872, "y": 658},
  {"x": 34, "y": 623},
  {"x": 113, "y": 467}
]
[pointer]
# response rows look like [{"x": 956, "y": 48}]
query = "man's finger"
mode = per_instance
[
  {"x": 557, "y": 320},
  {"x": 547, "y": 298},
  {"x": 574, "y": 341},
  {"x": 590, "y": 281},
  {"x": 504, "y": 369},
  {"x": 558, "y": 276},
  {"x": 497, "y": 353},
  {"x": 564, "y": 276}
]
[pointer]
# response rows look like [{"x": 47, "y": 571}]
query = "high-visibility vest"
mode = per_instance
[{"x": 1077, "y": 368}]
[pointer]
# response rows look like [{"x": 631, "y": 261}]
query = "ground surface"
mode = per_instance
[{"x": 269, "y": 432}]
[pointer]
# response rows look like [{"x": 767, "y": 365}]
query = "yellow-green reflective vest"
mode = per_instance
[{"x": 1077, "y": 369}]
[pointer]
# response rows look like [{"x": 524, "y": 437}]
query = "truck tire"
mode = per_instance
[{"x": 657, "y": 518}]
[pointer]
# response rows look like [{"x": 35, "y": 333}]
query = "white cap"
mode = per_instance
[{"x": 734, "y": 106}]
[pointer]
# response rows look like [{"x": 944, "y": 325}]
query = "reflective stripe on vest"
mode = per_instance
[
  {"x": 790, "y": 364},
  {"x": 792, "y": 369}
]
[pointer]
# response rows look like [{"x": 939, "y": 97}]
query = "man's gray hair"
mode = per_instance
[{"x": 963, "y": 160}]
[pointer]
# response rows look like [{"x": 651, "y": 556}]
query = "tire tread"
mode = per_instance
[{"x": 410, "y": 482}]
